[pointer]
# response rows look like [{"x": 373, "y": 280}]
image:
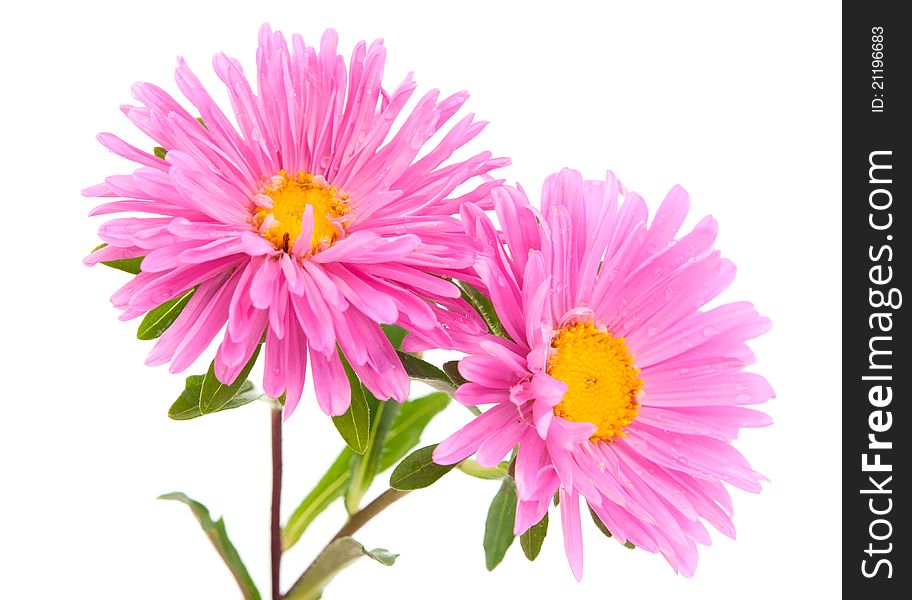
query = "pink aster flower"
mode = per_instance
[
  {"x": 308, "y": 218},
  {"x": 614, "y": 384}
]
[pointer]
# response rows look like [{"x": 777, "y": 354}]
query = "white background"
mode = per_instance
[{"x": 741, "y": 106}]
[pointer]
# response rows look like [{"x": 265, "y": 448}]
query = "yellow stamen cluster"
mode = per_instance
[
  {"x": 279, "y": 210},
  {"x": 602, "y": 382}
]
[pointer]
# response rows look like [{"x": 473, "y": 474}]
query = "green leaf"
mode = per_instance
[
  {"x": 498, "y": 534},
  {"x": 127, "y": 265},
  {"x": 395, "y": 335},
  {"x": 159, "y": 319},
  {"x": 531, "y": 540},
  {"x": 328, "y": 489},
  {"x": 629, "y": 544},
  {"x": 470, "y": 467},
  {"x": 483, "y": 307},
  {"x": 451, "y": 369},
  {"x": 160, "y": 152},
  {"x": 215, "y": 395},
  {"x": 425, "y": 372},
  {"x": 418, "y": 470},
  {"x": 336, "y": 556},
  {"x": 365, "y": 467},
  {"x": 187, "y": 405},
  {"x": 409, "y": 424},
  {"x": 217, "y": 534},
  {"x": 354, "y": 425}
]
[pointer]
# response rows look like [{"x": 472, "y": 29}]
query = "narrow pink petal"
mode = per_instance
[
  {"x": 536, "y": 306},
  {"x": 495, "y": 448},
  {"x": 295, "y": 351},
  {"x": 165, "y": 346},
  {"x": 701, "y": 457},
  {"x": 573, "y": 534},
  {"x": 274, "y": 367},
  {"x": 667, "y": 220},
  {"x": 314, "y": 316},
  {"x": 530, "y": 512},
  {"x": 504, "y": 295},
  {"x": 473, "y": 394},
  {"x": 382, "y": 373},
  {"x": 330, "y": 383},
  {"x": 200, "y": 334},
  {"x": 130, "y": 152},
  {"x": 362, "y": 295},
  {"x": 367, "y": 247},
  {"x": 715, "y": 390},
  {"x": 466, "y": 441},
  {"x": 109, "y": 253},
  {"x": 265, "y": 283},
  {"x": 530, "y": 458},
  {"x": 489, "y": 371}
]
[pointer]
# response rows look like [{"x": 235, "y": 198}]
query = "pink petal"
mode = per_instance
[
  {"x": 330, "y": 383},
  {"x": 466, "y": 441},
  {"x": 573, "y": 534}
]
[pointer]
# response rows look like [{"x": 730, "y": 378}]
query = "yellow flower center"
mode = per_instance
[
  {"x": 280, "y": 208},
  {"x": 602, "y": 383}
]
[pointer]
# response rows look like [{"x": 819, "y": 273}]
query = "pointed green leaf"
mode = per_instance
[
  {"x": 354, "y": 424},
  {"x": 395, "y": 335},
  {"x": 160, "y": 152},
  {"x": 418, "y": 470},
  {"x": 215, "y": 395},
  {"x": 531, "y": 540},
  {"x": 629, "y": 544},
  {"x": 425, "y": 372},
  {"x": 498, "y": 534},
  {"x": 218, "y": 535},
  {"x": 470, "y": 467},
  {"x": 327, "y": 490},
  {"x": 483, "y": 307},
  {"x": 336, "y": 556},
  {"x": 159, "y": 319},
  {"x": 127, "y": 265},
  {"x": 187, "y": 404},
  {"x": 407, "y": 427}
]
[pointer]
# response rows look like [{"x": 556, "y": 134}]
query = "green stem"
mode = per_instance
[
  {"x": 354, "y": 523},
  {"x": 275, "y": 529}
]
